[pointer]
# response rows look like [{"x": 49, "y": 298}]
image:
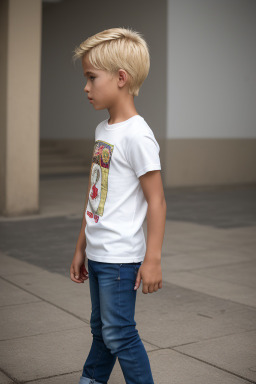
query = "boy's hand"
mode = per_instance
[
  {"x": 78, "y": 272},
  {"x": 151, "y": 274}
]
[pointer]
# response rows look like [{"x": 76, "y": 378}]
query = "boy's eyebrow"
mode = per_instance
[{"x": 89, "y": 72}]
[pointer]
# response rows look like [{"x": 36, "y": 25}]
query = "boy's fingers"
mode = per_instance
[
  {"x": 137, "y": 282},
  {"x": 84, "y": 273},
  {"x": 83, "y": 270},
  {"x": 77, "y": 274},
  {"x": 72, "y": 276},
  {"x": 84, "y": 276},
  {"x": 72, "y": 273}
]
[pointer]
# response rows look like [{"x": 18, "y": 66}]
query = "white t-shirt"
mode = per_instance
[{"x": 116, "y": 205}]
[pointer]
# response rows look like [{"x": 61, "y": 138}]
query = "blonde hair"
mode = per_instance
[{"x": 118, "y": 48}]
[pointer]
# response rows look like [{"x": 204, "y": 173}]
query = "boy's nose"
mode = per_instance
[{"x": 86, "y": 89}]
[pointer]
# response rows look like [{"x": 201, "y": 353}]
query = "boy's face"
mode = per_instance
[{"x": 101, "y": 86}]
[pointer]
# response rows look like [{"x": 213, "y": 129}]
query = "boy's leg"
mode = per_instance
[
  {"x": 100, "y": 362},
  {"x": 117, "y": 307}
]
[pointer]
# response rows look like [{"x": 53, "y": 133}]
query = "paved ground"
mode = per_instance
[{"x": 200, "y": 328}]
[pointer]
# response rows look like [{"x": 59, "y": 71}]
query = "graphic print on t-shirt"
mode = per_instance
[{"x": 101, "y": 159}]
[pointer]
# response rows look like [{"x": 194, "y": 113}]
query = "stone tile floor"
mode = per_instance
[{"x": 200, "y": 328}]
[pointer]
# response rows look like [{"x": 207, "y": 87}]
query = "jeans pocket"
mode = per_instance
[{"x": 128, "y": 271}]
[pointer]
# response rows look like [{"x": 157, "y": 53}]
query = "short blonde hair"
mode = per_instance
[{"x": 118, "y": 48}]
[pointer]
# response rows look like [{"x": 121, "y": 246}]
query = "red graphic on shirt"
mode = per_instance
[
  {"x": 96, "y": 218},
  {"x": 94, "y": 192}
]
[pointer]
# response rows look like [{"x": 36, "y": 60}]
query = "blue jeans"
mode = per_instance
[{"x": 113, "y": 326}]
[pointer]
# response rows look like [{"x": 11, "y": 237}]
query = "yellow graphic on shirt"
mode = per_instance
[{"x": 101, "y": 159}]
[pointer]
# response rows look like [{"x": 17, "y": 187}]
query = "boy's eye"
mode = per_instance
[{"x": 92, "y": 77}]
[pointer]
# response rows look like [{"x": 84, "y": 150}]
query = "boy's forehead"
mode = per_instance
[{"x": 87, "y": 66}]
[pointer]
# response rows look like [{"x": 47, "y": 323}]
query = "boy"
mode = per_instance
[{"x": 124, "y": 185}]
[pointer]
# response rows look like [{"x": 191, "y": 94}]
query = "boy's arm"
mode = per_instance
[
  {"x": 78, "y": 272},
  {"x": 81, "y": 242},
  {"x": 153, "y": 191},
  {"x": 150, "y": 271}
]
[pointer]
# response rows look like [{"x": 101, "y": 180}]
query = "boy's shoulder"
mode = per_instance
[
  {"x": 140, "y": 129},
  {"x": 136, "y": 143}
]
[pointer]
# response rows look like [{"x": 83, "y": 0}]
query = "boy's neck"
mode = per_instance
[{"x": 123, "y": 110}]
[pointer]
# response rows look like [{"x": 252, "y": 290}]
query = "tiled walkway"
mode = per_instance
[{"x": 200, "y": 328}]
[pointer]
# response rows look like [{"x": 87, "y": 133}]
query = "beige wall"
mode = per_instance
[
  {"x": 3, "y": 99},
  {"x": 205, "y": 162},
  {"x": 20, "y": 72}
]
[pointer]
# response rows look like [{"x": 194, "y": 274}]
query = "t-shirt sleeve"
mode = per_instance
[{"x": 143, "y": 153}]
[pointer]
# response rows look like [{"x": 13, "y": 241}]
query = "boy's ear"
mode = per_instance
[{"x": 122, "y": 76}]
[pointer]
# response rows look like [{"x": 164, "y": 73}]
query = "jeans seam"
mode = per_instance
[
  {"x": 100, "y": 352},
  {"x": 97, "y": 359},
  {"x": 129, "y": 349},
  {"x": 136, "y": 362}
]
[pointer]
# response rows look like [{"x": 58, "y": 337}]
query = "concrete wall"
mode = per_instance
[
  {"x": 211, "y": 62},
  {"x": 211, "y": 114}
]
